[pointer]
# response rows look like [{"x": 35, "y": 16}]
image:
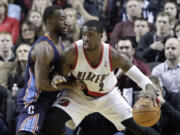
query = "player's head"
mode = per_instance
[
  {"x": 92, "y": 32},
  {"x": 55, "y": 20}
]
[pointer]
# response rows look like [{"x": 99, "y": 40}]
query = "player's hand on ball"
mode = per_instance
[
  {"x": 160, "y": 98},
  {"x": 151, "y": 92},
  {"x": 58, "y": 79}
]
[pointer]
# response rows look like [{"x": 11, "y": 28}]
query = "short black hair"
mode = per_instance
[
  {"x": 131, "y": 39},
  {"x": 49, "y": 11},
  {"x": 95, "y": 23}
]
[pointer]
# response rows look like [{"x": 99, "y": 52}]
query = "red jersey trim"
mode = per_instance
[
  {"x": 97, "y": 94},
  {"x": 74, "y": 66},
  {"x": 110, "y": 57},
  {"x": 102, "y": 52}
]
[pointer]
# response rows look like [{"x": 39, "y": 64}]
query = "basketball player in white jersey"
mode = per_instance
[{"x": 93, "y": 62}]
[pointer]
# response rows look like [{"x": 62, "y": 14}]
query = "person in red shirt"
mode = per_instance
[
  {"x": 126, "y": 46},
  {"x": 8, "y": 24}
]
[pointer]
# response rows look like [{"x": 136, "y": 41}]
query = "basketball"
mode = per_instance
[{"x": 145, "y": 113}]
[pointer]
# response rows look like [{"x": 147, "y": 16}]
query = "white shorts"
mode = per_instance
[{"x": 112, "y": 106}]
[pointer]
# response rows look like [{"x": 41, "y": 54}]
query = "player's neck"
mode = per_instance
[
  {"x": 54, "y": 37},
  {"x": 94, "y": 55}
]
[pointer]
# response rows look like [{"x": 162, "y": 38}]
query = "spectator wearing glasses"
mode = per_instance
[{"x": 28, "y": 33}]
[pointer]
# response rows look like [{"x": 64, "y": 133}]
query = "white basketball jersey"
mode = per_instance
[{"x": 100, "y": 79}]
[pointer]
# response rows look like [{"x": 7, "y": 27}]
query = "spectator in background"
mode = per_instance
[
  {"x": 61, "y": 3},
  {"x": 35, "y": 18},
  {"x": 3, "y": 106},
  {"x": 40, "y": 5},
  {"x": 25, "y": 7},
  {"x": 126, "y": 28},
  {"x": 73, "y": 28},
  {"x": 151, "y": 45},
  {"x": 146, "y": 13},
  {"x": 8, "y": 24},
  {"x": 17, "y": 77},
  {"x": 127, "y": 47},
  {"x": 84, "y": 14},
  {"x": 6, "y": 57},
  {"x": 177, "y": 30},
  {"x": 170, "y": 109},
  {"x": 168, "y": 72},
  {"x": 28, "y": 33},
  {"x": 141, "y": 27},
  {"x": 171, "y": 8}
]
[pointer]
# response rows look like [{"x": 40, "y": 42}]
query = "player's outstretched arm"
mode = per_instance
[{"x": 119, "y": 60}]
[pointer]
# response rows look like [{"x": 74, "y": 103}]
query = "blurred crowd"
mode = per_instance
[{"x": 147, "y": 31}]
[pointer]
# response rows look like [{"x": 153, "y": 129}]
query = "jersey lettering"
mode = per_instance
[
  {"x": 92, "y": 77},
  {"x": 31, "y": 109}
]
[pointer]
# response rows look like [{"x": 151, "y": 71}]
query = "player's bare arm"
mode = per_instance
[
  {"x": 65, "y": 65},
  {"x": 67, "y": 61},
  {"x": 121, "y": 61},
  {"x": 42, "y": 55}
]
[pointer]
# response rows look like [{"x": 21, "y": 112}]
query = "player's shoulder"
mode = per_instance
[
  {"x": 42, "y": 49},
  {"x": 42, "y": 46}
]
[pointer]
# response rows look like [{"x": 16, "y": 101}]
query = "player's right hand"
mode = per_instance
[
  {"x": 79, "y": 84},
  {"x": 58, "y": 79}
]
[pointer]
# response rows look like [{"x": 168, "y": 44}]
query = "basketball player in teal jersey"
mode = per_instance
[
  {"x": 38, "y": 94},
  {"x": 93, "y": 62}
]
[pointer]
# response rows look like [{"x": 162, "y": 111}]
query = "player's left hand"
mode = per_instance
[
  {"x": 58, "y": 79},
  {"x": 151, "y": 92}
]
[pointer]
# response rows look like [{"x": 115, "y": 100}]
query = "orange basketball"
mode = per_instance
[{"x": 145, "y": 113}]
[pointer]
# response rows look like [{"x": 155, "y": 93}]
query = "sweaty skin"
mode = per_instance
[
  {"x": 92, "y": 46},
  {"x": 43, "y": 54}
]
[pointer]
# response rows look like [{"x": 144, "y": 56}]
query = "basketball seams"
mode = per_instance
[
  {"x": 145, "y": 113},
  {"x": 150, "y": 120}
]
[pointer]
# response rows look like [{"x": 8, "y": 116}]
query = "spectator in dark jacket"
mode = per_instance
[
  {"x": 151, "y": 45},
  {"x": 170, "y": 110},
  {"x": 3, "y": 102}
]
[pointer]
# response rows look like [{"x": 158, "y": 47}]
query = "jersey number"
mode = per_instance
[{"x": 101, "y": 85}]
